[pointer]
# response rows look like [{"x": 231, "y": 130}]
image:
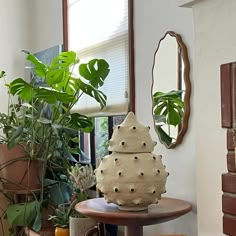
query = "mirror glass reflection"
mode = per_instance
[{"x": 171, "y": 89}]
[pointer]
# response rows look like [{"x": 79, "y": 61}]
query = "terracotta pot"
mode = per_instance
[
  {"x": 62, "y": 231},
  {"x": 19, "y": 173},
  {"x": 44, "y": 231}
]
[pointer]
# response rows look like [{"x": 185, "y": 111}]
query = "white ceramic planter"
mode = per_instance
[{"x": 79, "y": 226}]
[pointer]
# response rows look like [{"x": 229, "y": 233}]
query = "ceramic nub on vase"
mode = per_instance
[{"x": 131, "y": 176}]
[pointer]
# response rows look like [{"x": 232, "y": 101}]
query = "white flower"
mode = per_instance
[{"x": 82, "y": 177}]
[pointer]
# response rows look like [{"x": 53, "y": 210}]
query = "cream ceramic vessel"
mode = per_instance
[{"x": 132, "y": 176}]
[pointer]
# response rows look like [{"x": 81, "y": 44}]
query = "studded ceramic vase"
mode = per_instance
[{"x": 132, "y": 176}]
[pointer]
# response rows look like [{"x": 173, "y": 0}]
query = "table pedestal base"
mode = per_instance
[{"x": 133, "y": 230}]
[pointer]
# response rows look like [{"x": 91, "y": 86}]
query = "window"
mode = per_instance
[{"x": 103, "y": 29}]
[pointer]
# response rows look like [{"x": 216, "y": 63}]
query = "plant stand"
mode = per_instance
[{"x": 20, "y": 196}]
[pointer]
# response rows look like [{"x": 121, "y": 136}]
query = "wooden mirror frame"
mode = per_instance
[{"x": 182, "y": 128}]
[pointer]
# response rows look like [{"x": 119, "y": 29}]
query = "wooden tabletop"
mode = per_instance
[{"x": 167, "y": 209}]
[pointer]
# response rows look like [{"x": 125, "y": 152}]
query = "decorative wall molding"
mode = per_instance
[{"x": 188, "y": 3}]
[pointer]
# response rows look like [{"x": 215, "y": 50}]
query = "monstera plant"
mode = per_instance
[
  {"x": 168, "y": 110},
  {"x": 42, "y": 121}
]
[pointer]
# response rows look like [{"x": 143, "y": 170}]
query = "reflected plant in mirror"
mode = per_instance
[
  {"x": 168, "y": 111},
  {"x": 171, "y": 89}
]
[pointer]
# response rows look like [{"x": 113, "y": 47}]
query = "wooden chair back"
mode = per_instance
[{"x": 98, "y": 230}]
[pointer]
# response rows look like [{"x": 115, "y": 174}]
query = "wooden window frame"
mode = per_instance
[{"x": 131, "y": 68}]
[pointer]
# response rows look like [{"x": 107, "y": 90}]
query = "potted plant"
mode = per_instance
[
  {"x": 82, "y": 178},
  {"x": 61, "y": 218},
  {"x": 65, "y": 218},
  {"x": 41, "y": 124}
]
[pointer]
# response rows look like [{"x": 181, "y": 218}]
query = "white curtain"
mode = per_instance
[{"x": 99, "y": 29}]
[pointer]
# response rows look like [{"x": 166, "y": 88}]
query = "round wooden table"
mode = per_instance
[{"x": 167, "y": 209}]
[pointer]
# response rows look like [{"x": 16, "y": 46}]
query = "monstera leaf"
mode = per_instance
[
  {"x": 23, "y": 214},
  {"x": 168, "y": 109},
  {"x": 95, "y": 71},
  {"x": 60, "y": 66},
  {"x": 169, "y": 105},
  {"x": 22, "y": 88},
  {"x": 163, "y": 135},
  {"x": 27, "y": 92},
  {"x": 81, "y": 122},
  {"x": 39, "y": 67},
  {"x": 52, "y": 96},
  {"x": 98, "y": 95}
]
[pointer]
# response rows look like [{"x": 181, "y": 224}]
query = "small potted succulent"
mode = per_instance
[{"x": 61, "y": 219}]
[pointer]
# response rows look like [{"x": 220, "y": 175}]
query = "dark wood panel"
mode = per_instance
[
  {"x": 230, "y": 145},
  {"x": 229, "y": 204},
  {"x": 65, "y": 24},
  {"x": 229, "y": 226},
  {"x": 131, "y": 56},
  {"x": 229, "y": 183},
  {"x": 233, "y": 84},
  {"x": 228, "y": 116},
  {"x": 226, "y": 96},
  {"x": 231, "y": 161}
]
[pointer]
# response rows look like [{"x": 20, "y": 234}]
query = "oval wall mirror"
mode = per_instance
[{"x": 171, "y": 89}]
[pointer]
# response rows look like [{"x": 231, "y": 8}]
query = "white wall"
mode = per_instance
[
  {"x": 13, "y": 38},
  {"x": 215, "y": 44},
  {"x": 165, "y": 69},
  {"x": 46, "y": 24},
  {"x": 152, "y": 19},
  {"x": 25, "y": 24},
  {"x": 14, "y": 23}
]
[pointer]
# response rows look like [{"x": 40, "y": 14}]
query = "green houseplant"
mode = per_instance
[
  {"x": 168, "y": 110},
  {"x": 46, "y": 111},
  {"x": 61, "y": 219},
  {"x": 65, "y": 218},
  {"x": 41, "y": 122}
]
